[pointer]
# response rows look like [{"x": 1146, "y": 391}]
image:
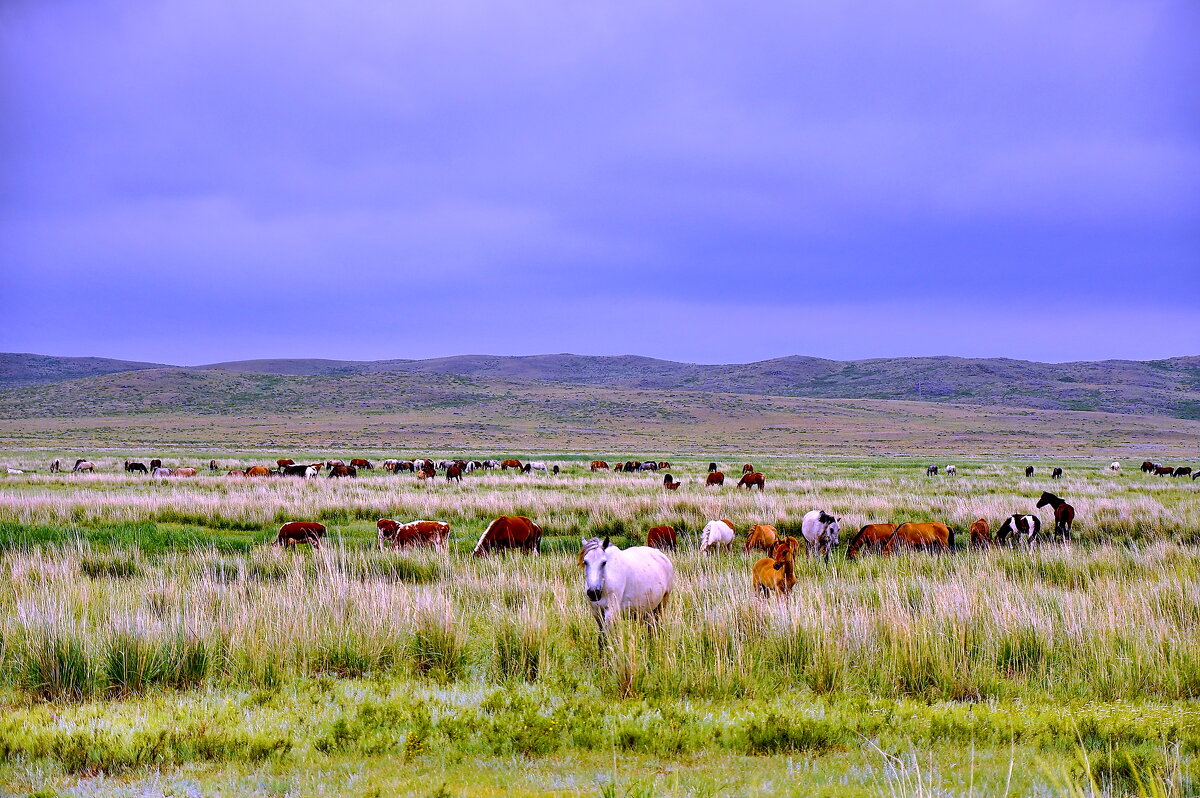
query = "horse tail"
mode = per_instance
[
  {"x": 891, "y": 538},
  {"x": 950, "y": 538}
]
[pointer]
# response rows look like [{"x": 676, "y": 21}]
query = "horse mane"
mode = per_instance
[
  {"x": 484, "y": 536},
  {"x": 856, "y": 541},
  {"x": 826, "y": 518}
]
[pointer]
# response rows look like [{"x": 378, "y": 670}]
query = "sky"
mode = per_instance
[{"x": 190, "y": 182}]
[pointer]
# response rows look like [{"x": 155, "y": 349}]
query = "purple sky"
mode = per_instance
[{"x": 198, "y": 181}]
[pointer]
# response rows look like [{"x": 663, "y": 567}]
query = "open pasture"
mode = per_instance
[{"x": 149, "y": 638}]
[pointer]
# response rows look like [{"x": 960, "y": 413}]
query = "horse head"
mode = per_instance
[{"x": 594, "y": 559}]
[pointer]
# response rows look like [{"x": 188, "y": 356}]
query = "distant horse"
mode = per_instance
[
  {"x": 715, "y": 478},
  {"x": 342, "y": 471},
  {"x": 161, "y": 472},
  {"x": 212, "y": 465},
  {"x": 132, "y": 467},
  {"x": 1182, "y": 471},
  {"x": 951, "y": 470},
  {"x": 598, "y": 465},
  {"x": 669, "y": 482},
  {"x": 663, "y": 465},
  {"x": 712, "y": 467},
  {"x": 296, "y": 532},
  {"x": 359, "y": 462},
  {"x": 981, "y": 535},
  {"x": 155, "y": 463},
  {"x": 752, "y": 479},
  {"x": 1114, "y": 466},
  {"x": 56, "y": 466},
  {"x": 82, "y": 465},
  {"x": 183, "y": 472},
  {"x": 415, "y": 533},
  {"x": 662, "y": 537},
  {"x": 1018, "y": 529},
  {"x": 453, "y": 472},
  {"x": 649, "y": 465},
  {"x": 1163, "y": 471},
  {"x": 237, "y": 472},
  {"x": 931, "y": 471},
  {"x": 636, "y": 580},
  {"x": 1148, "y": 467},
  {"x": 510, "y": 532},
  {"x": 871, "y": 537},
  {"x": 747, "y": 469},
  {"x": 258, "y": 471},
  {"x": 1056, "y": 473},
  {"x": 931, "y": 537},
  {"x": 775, "y": 574},
  {"x": 716, "y": 533},
  {"x": 1028, "y": 471},
  {"x": 1064, "y": 514},
  {"x": 284, "y": 462},
  {"x": 820, "y": 531},
  {"x": 536, "y": 465},
  {"x": 507, "y": 464}
]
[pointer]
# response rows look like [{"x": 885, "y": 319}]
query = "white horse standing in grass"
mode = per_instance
[
  {"x": 820, "y": 531},
  {"x": 636, "y": 580},
  {"x": 716, "y": 533}
]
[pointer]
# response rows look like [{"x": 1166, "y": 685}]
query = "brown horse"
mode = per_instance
[
  {"x": 507, "y": 464},
  {"x": 662, "y": 537},
  {"x": 762, "y": 536},
  {"x": 598, "y": 465},
  {"x": 510, "y": 532},
  {"x": 342, "y": 471},
  {"x": 981, "y": 535},
  {"x": 1064, "y": 514},
  {"x": 752, "y": 479},
  {"x": 184, "y": 472},
  {"x": 775, "y": 574},
  {"x": 212, "y": 465},
  {"x": 747, "y": 469},
  {"x": 433, "y": 534},
  {"x": 296, "y": 532},
  {"x": 258, "y": 471},
  {"x": 359, "y": 462},
  {"x": 872, "y": 537},
  {"x": 663, "y": 465},
  {"x": 669, "y": 482},
  {"x": 928, "y": 536},
  {"x": 715, "y": 478},
  {"x": 237, "y": 472},
  {"x": 284, "y": 462},
  {"x": 454, "y": 472}
]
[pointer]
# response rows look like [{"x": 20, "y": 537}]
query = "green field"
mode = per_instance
[{"x": 150, "y": 642}]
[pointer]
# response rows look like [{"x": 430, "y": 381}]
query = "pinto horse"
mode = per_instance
[
  {"x": 871, "y": 537},
  {"x": 820, "y": 531},
  {"x": 752, "y": 479},
  {"x": 1019, "y": 528},
  {"x": 510, "y": 532},
  {"x": 1064, "y": 514},
  {"x": 928, "y": 536},
  {"x": 415, "y": 533},
  {"x": 662, "y": 537}
]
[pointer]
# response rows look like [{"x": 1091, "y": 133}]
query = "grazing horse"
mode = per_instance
[
  {"x": 1028, "y": 471},
  {"x": 453, "y": 472},
  {"x": 649, "y": 465},
  {"x": 931, "y": 471},
  {"x": 131, "y": 467},
  {"x": 510, "y": 532},
  {"x": 212, "y": 465},
  {"x": 1114, "y": 466},
  {"x": 1182, "y": 471},
  {"x": 747, "y": 469},
  {"x": 712, "y": 467},
  {"x": 258, "y": 471},
  {"x": 636, "y": 580},
  {"x": 342, "y": 471},
  {"x": 1064, "y": 514},
  {"x": 619, "y": 467},
  {"x": 295, "y": 532},
  {"x": 536, "y": 465},
  {"x": 161, "y": 472},
  {"x": 1056, "y": 473},
  {"x": 762, "y": 536},
  {"x": 183, "y": 472},
  {"x": 1163, "y": 471},
  {"x": 83, "y": 465},
  {"x": 662, "y": 537},
  {"x": 1148, "y": 467},
  {"x": 871, "y": 537},
  {"x": 951, "y": 470},
  {"x": 333, "y": 463},
  {"x": 56, "y": 466},
  {"x": 1020, "y": 528},
  {"x": 820, "y": 531},
  {"x": 669, "y": 482},
  {"x": 507, "y": 464},
  {"x": 433, "y": 534},
  {"x": 663, "y": 465},
  {"x": 931, "y": 537},
  {"x": 359, "y": 462},
  {"x": 752, "y": 479},
  {"x": 775, "y": 574},
  {"x": 981, "y": 535},
  {"x": 390, "y": 465},
  {"x": 598, "y": 465},
  {"x": 715, "y": 478},
  {"x": 716, "y": 533},
  {"x": 237, "y": 472},
  {"x": 284, "y": 463}
]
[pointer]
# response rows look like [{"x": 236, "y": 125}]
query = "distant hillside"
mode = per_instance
[
  {"x": 1157, "y": 387},
  {"x": 18, "y": 369}
]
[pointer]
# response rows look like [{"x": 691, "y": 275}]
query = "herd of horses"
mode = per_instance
[{"x": 1149, "y": 467}]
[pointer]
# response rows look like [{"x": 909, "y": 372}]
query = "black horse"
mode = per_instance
[
  {"x": 1028, "y": 471},
  {"x": 1056, "y": 473}
]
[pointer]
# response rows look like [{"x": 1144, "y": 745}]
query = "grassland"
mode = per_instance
[{"x": 149, "y": 641}]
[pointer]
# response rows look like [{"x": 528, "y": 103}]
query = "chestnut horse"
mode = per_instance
[
  {"x": 872, "y": 537},
  {"x": 1064, "y": 514},
  {"x": 981, "y": 535},
  {"x": 775, "y": 574},
  {"x": 715, "y": 478},
  {"x": 510, "y": 532},
  {"x": 762, "y": 536},
  {"x": 662, "y": 537},
  {"x": 750, "y": 480},
  {"x": 928, "y": 536},
  {"x": 295, "y": 532}
]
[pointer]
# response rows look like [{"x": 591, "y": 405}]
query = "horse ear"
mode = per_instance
[{"x": 605, "y": 545}]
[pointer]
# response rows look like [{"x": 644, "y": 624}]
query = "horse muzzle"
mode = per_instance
[{"x": 594, "y": 595}]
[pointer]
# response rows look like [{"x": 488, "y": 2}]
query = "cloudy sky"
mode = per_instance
[{"x": 198, "y": 181}]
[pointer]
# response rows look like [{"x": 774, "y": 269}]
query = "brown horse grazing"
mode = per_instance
[
  {"x": 284, "y": 463},
  {"x": 1064, "y": 514},
  {"x": 184, "y": 472},
  {"x": 752, "y": 479},
  {"x": 663, "y": 465},
  {"x": 872, "y": 537},
  {"x": 454, "y": 472},
  {"x": 510, "y": 532},
  {"x": 1163, "y": 471},
  {"x": 662, "y": 537},
  {"x": 715, "y": 478},
  {"x": 1148, "y": 466},
  {"x": 775, "y": 574},
  {"x": 258, "y": 471},
  {"x": 433, "y": 534},
  {"x": 598, "y": 465},
  {"x": 762, "y": 536},
  {"x": 342, "y": 471},
  {"x": 1182, "y": 471},
  {"x": 981, "y": 535},
  {"x": 507, "y": 464},
  {"x": 747, "y": 469},
  {"x": 359, "y": 462},
  {"x": 237, "y": 472},
  {"x": 928, "y": 536},
  {"x": 619, "y": 467},
  {"x": 296, "y": 532}
]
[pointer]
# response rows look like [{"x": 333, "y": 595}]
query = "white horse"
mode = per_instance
[
  {"x": 1114, "y": 466},
  {"x": 716, "y": 533},
  {"x": 161, "y": 472},
  {"x": 636, "y": 580},
  {"x": 537, "y": 465},
  {"x": 820, "y": 531},
  {"x": 951, "y": 470}
]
